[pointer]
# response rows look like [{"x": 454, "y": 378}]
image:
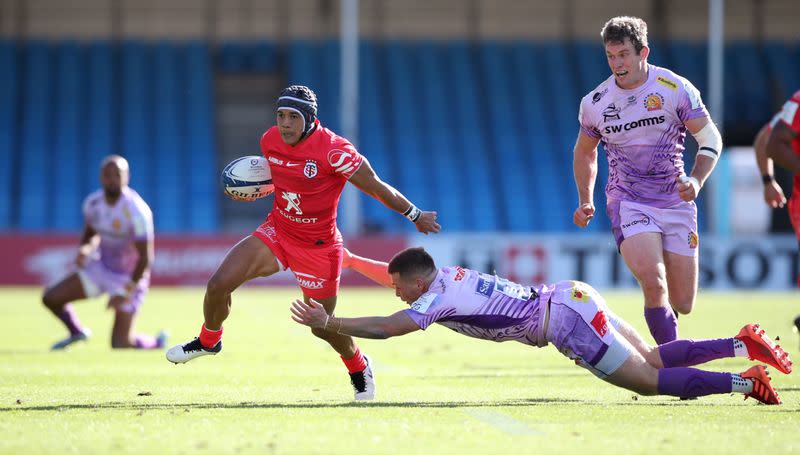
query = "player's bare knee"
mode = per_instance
[
  {"x": 218, "y": 287},
  {"x": 50, "y": 301},
  {"x": 683, "y": 306}
]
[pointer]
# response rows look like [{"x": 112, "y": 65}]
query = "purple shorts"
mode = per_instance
[
  {"x": 677, "y": 224},
  {"x": 97, "y": 280},
  {"x": 583, "y": 328}
]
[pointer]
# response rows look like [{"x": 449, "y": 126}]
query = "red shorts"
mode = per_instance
[{"x": 316, "y": 269}]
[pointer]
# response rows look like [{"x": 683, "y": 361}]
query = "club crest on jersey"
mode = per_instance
[
  {"x": 654, "y": 102},
  {"x": 310, "y": 169}
]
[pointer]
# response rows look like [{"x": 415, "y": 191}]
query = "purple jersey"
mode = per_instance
[
  {"x": 119, "y": 226},
  {"x": 642, "y": 131},
  {"x": 482, "y": 306}
]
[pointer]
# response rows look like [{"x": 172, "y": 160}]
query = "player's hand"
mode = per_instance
[
  {"x": 427, "y": 223},
  {"x": 583, "y": 214},
  {"x": 311, "y": 314},
  {"x": 688, "y": 187},
  {"x": 773, "y": 195},
  {"x": 347, "y": 258}
]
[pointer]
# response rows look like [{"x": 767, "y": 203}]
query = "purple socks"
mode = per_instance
[
  {"x": 68, "y": 317},
  {"x": 691, "y": 382},
  {"x": 662, "y": 324},
  {"x": 684, "y": 353}
]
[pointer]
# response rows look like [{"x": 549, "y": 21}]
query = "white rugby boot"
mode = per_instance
[
  {"x": 81, "y": 336},
  {"x": 183, "y": 353},
  {"x": 364, "y": 382}
]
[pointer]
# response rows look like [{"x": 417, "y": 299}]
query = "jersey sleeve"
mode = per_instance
[
  {"x": 690, "y": 104},
  {"x": 588, "y": 126},
  {"x": 789, "y": 113},
  {"x": 344, "y": 159},
  {"x": 428, "y": 309},
  {"x": 141, "y": 221}
]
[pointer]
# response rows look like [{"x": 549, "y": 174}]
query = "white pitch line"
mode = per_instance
[{"x": 502, "y": 422}]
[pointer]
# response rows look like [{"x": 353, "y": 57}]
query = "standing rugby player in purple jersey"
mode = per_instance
[
  {"x": 569, "y": 314},
  {"x": 114, "y": 257},
  {"x": 641, "y": 114}
]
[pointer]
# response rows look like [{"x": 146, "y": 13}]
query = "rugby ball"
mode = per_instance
[{"x": 247, "y": 178}]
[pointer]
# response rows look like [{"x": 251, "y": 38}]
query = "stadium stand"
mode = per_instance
[{"x": 485, "y": 140}]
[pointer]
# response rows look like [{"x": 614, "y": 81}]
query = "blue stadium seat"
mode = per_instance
[
  {"x": 264, "y": 57},
  {"x": 372, "y": 135},
  {"x": 557, "y": 92},
  {"x": 511, "y": 171},
  {"x": 544, "y": 173},
  {"x": 9, "y": 100},
  {"x": 168, "y": 156},
  {"x": 36, "y": 148},
  {"x": 102, "y": 113},
  {"x": 785, "y": 71},
  {"x": 68, "y": 140},
  {"x": 449, "y": 171},
  {"x": 406, "y": 143},
  {"x": 137, "y": 105},
  {"x": 200, "y": 141},
  {"x": 480, "y": 192}
]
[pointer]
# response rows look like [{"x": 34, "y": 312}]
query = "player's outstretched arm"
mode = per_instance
[
  {"x": 376, "y": 271},
  {"x": 709, "y": 144},
  {"x": 312, "y": 314},
  {"x": 779, "y": 147},
  {"x": 584, "y": 166},
  {"x": 773, "y": 193},
  {"x": 366, "y": 180},
  {"x": 86, "y": 246}
]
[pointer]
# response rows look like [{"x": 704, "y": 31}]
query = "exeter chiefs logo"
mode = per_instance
[
  {"x": 654, "y": 102},
  {"x": 310, "y": 170},
  {"x": 693, "y": 240}
]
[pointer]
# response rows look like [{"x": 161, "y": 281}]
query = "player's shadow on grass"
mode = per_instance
[{"x": 186, "y": 407}]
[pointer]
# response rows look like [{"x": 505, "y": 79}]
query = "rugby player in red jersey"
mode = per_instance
[
  {"x": 310, "y": 165},
  {"x": 782, "y": 145}
]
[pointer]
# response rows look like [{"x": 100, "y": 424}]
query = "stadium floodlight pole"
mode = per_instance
[
  {"x": 348, "y": 38},
  {"x": 716, "y": 37}
]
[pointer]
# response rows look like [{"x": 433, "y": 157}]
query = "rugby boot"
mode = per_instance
[
  {"x": 761, "y": 348},
  {"x": 762, "y": 388},
  {"x": 183, "y": 353},
  {"x": 364, "y": 382}
]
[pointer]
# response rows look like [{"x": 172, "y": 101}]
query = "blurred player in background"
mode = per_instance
[
  {"x": 782, "y": 144},
  {"x": 641, "y": 114},
  {"x": 569, "y": 314},
  {"x": 310, "y": 166},
  {"x": 114, "y": 257}
]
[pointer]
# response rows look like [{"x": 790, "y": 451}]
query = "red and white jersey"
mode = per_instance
[
  {"x": 309, "y": 178},
  {"x": 790, "y": 115}
]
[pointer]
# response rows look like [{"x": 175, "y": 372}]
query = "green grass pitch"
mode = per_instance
[{"x": 275, "y": 389}]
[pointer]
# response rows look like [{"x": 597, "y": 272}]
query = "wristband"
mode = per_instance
[
  {"x": 767, "y": 178},
  {"x": 413, "y": 213}
]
